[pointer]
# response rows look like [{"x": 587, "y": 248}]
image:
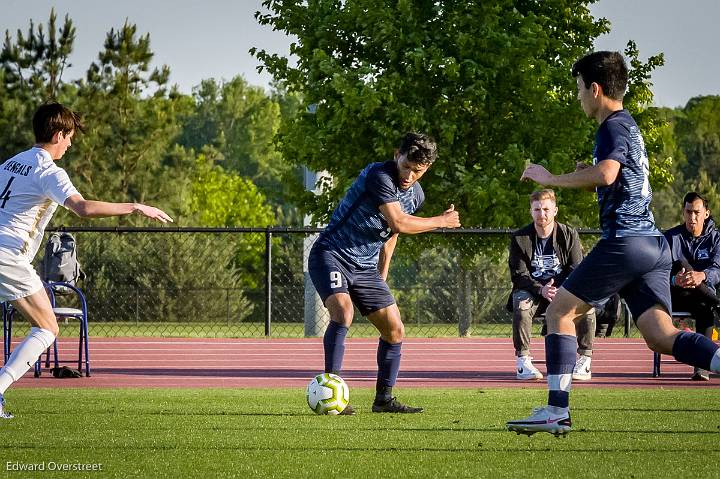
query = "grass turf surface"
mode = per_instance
[{"x": 272, "y": 433}]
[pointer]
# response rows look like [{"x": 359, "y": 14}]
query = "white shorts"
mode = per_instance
[{"x": 18, "y": 278}]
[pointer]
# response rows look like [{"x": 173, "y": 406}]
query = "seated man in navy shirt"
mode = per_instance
[
  {"x": 349, "y": 262},
  {"x": 695, "y": 248}
]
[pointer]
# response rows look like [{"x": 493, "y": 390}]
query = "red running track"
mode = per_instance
[{"x": 441, "y": 362}]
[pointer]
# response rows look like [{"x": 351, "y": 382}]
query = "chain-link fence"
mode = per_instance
[{"x": 250, "y": 282}]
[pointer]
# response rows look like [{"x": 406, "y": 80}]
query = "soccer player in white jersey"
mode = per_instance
[
  {"x": 31, "y": 188},
  {"x": 632, "y": 258}
]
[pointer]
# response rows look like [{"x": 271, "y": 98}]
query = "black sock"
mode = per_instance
[{"x": 388, "y": 359}]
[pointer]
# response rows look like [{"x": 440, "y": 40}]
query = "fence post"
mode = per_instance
[
  {"x": 465, "y": 306},
  {"x": 268, "y": 280},
  {"x": 315, "y": 316}
]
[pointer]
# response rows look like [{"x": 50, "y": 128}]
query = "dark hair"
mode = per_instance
[
  {"x": 51, "y": 118},
  {"x": 420, "y": 148},
  {"x": 607, "y": 69},
  {"x": 692, "y": 197}
]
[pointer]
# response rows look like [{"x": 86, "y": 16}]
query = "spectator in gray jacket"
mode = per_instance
[{"x": 542, "y": 255}]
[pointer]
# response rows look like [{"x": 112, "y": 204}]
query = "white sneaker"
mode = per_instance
[
  {"x": 542, "y": 420},
  {"x": 3, "y": 413},
  {"x": 526, "y": 370},
  {"x": 582, "y": 372}
]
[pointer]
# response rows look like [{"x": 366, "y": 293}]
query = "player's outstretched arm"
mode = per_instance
[
  {"x": 401, "y": 222},
  {"x": 602, "y": 174},
  {"x": 101, "y": 209}
]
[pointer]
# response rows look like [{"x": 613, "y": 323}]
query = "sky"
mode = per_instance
[{"x": 211, "y": 38}]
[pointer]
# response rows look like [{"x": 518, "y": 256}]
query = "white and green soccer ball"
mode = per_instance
[{"x": 327, "y": 394}]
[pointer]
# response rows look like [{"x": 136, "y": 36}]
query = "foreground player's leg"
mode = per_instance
[
  {"x": 341, "y": 312},
  {"x": 560, "y": 346},
  {"x": 37, "y": 309},
  {"x": 661, "y": 336},
  {"x": 392, "y": 331},
  {"x": 334, "y": 346}
]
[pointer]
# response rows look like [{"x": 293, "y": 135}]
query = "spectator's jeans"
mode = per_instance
[
  {"x": 526, "y": 305},
  {"x": 697, "y": 304}
]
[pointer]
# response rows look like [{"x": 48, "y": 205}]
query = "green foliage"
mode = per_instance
[
  {"x": 638, "y": 101},
  {"x": 164, "y": 277},
  {"x": 490, "y": 81},
  {"x": 131, "y": 131},
  {"x": 698, "y": 135},
  {"x": 31, "y": 70},
  {"x": 35, "y": 62},
  {"x": 240, "y": 122},
  {"x": 225, "y": 198}
]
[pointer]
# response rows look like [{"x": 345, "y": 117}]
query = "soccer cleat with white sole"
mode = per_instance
[
  {"x": 582, "y": 371},
  {"x": 3, "y": 412},
  {"x": 525, "y": 369},
  {"x": 542, "y": 420}
]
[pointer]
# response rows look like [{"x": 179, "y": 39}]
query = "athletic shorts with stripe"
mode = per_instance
[
  {"x": 331, "y": 275},
  {"x": 637, "y": 267}
]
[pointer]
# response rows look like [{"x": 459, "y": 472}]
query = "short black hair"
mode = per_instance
[
  {"x": 607, "y": 69},
  {"x": 53, "y": 117},
  {"x": 692, "y": 197},
  {"x": 419, "y": 148}
]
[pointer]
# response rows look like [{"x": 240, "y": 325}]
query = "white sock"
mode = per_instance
[
  {"x": 24, "y": 356},
  {"x": 715, "y": 362}
]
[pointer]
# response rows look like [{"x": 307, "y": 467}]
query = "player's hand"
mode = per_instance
[
  {"x": 451, "y": 218},
  {"x": 537, "y": 173},
  {"x": 153, "y": 213},
  {"x": 689, "y": 279},
  {"x": 549, "y": 291}
]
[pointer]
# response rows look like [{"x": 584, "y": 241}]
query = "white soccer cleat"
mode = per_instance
[
  {"x": 582, "y": 371},
  {"x": 526, "y": 370},
  {"x": 3, "y": 413},
  {"x": 542, "y": 420}
]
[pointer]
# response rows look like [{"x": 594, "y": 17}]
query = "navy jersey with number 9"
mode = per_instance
[{"x": 357, "y": 229}]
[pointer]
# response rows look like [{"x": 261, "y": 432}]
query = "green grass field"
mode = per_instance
[{"x": 271, "y": 433}]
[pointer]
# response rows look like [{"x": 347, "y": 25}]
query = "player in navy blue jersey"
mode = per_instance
[
  {"x": 350, "y": 260},
  {"x": 632, "y": 257}
]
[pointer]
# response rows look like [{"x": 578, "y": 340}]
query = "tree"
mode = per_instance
[
  {"x": 490, "y": 81},
  {"x": 129, "y": 151},
  {"x": 240, "y": 122},
  {"x": 31, "y": 72},
  {"x": 34, "y": 64}
]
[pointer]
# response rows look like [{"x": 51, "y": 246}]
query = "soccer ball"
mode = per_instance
[{"x": 327, "y": 394}]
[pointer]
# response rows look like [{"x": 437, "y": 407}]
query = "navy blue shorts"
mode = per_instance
[
  {"x": 331, "y": 275},
  {"x": 637, "y": 267}
]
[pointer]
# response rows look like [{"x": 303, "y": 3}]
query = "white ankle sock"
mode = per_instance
[{"x": 24, "y": 356}]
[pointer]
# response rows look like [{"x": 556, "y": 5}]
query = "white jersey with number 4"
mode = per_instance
[{"x": 31, "y": 187}]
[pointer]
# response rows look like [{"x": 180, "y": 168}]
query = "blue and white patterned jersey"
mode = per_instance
[
  {"x": 625, "y": 204},
  {"x": 357, "y": 229}
]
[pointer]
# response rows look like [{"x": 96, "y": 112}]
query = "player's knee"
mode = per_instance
[
  {"x": 395, "y": 335},
  {"x": 53, "y": 328},
  {"x": 48, "y": 323},
  {"x": 343, "y": 317}
]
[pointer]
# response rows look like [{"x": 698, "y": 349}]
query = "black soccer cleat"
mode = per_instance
[
  {"x": 348, "y": 411},
  {"x": 395, "y": 406}
]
